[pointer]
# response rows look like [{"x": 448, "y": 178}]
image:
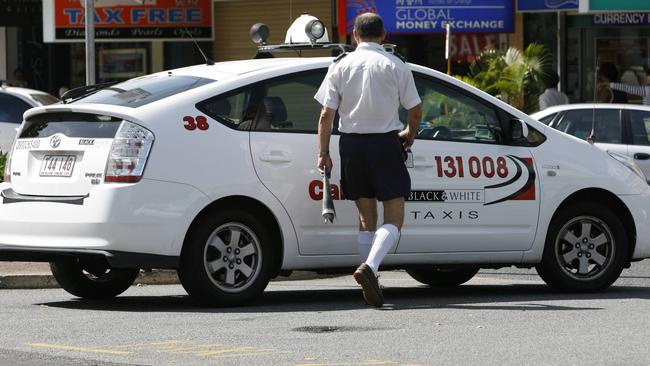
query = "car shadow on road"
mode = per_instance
[{"x": 525, "y": 297}]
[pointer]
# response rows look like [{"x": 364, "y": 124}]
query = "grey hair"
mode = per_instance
[{"x": 369, "y": 25}]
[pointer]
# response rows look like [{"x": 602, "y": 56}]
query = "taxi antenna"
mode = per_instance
[
  {"x": 592, "y": 134},
  {"x": 207, "y": 60}
]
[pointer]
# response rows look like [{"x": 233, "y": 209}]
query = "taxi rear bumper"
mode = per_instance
[
  {"x": 141, "y": 225},
  {"x": 115, "y": 259}
]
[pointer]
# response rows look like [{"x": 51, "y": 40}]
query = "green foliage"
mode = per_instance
[
  {"x": 450, "y": 112},
  {"x": 512, "y": 76},
  {"x": 3, "y": 159}
]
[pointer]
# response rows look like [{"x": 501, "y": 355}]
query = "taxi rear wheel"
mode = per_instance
[
  {"x": 227, "y": 260},
  {"x": 442, "y": 277},
  {"x": 586, "y": 249},
  {"x": 90, "y": 279}
]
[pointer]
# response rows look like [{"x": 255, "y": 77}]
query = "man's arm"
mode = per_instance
[
  {"x": 325, "y": 122},
  {"x": 643, "y": 91},
  {"x": 414, "y": 119}
]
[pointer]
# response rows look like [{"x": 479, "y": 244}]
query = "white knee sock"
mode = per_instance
[
  {"x": 385, "y": 237},
  {"x": 364, "y": 243}
]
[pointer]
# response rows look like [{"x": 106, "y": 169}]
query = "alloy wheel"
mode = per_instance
[
  {"x": 585, "y": 247},
  {"x": 232, "y": 257}
]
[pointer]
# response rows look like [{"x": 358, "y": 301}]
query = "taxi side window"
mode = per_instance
[
  {"x": 448, "y": 114},
  {"x": 546, "y": 120},
  {"x": 288, "y": 104},
  {"x": 234, "y": 109},
  {"x": 640, "y": 126},
  {"x": 606, "y": 124}
]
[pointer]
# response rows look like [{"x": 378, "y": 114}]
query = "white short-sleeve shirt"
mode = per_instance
[{"x": 367, "y": 87}]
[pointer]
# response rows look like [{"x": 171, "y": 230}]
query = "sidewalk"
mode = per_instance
[{"x": 30, "y": 275}]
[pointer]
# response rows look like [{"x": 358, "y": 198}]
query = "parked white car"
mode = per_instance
[
  {"x": 211, "y": 170},
  {"x": 623, "y": 128},
  {"x": 14, "y": 101}
]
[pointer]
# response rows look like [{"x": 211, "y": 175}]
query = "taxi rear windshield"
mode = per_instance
[{"x": 144, "y": 90}]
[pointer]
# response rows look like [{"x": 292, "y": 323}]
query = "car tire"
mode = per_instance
[
  {"x": 227, "y": 259},
  {"x": 442, "y": 277},
  {"x": 586, "y": 249},
  {"x": 92, "y": 280}
]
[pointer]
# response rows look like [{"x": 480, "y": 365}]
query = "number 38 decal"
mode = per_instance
[
  {"x": 456, "y": 166},
  {"x": 192, "y": 123}
]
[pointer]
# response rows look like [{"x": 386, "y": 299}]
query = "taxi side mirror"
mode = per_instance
[{"x": 518, "y": 129}]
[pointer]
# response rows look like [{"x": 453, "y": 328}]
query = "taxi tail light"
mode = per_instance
[{"x": 129, "y": 154}]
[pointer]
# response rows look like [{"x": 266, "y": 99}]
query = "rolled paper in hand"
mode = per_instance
[{"x": 329, "y": 212}]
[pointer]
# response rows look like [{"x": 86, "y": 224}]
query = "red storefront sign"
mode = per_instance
[
  {"x": 130, "y": 20},
  {"x": 466, "y": 46}
]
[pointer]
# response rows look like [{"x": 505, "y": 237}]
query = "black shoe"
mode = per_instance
[{"x": 368, "y": 281}]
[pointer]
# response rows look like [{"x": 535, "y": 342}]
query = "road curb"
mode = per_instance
[{"x": 156, "y": 277}]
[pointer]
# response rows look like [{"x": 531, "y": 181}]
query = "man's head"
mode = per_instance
[
  {"x": 609, "y": 71},
  {"x": 550, "y": 79},
  {"x": 369, "y": 27}
]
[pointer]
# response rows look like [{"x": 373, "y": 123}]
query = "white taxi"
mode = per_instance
[{"x": 211, "y": 170}]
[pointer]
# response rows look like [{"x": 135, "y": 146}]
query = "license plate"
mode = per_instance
[{"x": 57, "y": 166}]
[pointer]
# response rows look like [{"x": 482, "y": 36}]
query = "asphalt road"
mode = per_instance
[{"x": 499, "y": 318}]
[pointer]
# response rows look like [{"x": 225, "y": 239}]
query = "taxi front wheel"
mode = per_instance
[
  {"x": 91, "y": 279},
  {"x": 586, "y": 249},
  {"x": 442, "y": 277},
  {"x": 227, "y": 259}
]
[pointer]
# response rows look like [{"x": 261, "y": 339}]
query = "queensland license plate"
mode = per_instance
[{"x": 57, "y": 165}]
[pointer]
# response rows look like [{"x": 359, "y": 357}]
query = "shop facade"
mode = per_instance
[
  {"x": 577, "y": 41},
  {"x": 584, "y": 35},
  {"x": 619, "y": 39}
]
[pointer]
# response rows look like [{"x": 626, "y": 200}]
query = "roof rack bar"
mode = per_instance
[{"x": 267, "y": 50}]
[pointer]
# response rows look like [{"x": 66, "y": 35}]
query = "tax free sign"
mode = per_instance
[
  {"x": 128, "y": 20},
  {"x": 431, "y": 16}
]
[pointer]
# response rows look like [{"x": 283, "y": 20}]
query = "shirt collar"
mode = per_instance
[{"x": 370, "y": 45}]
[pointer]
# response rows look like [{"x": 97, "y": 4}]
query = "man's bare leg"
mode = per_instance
[
  {"x": 394, "y": 212},
  {"x": 367, "y": 225}
]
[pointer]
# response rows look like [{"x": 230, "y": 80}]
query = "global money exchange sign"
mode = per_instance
[
  {"x": 431, "y": 16},
  {"x": 129, "y": 20}
]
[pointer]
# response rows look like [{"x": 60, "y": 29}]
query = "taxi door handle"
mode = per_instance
[
  {"x": 275, "y": 156},
  {"x": 422, "y": 162},
  {"x": 642, "y": 156}
]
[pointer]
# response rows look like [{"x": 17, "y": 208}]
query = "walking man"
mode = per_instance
[{"x": 367, "y": 87}]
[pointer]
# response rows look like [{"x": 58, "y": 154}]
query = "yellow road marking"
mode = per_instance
[
  {"x": 80, "y": 349},
  {"x": 222, "y": 351},
  {"x": 192, "y": 349},
  {"x": 153, "y": 344}
]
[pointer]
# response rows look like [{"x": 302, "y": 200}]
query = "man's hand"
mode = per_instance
[
  {"x": 325, "y": 162},
  {"x": 407, "y": 137},
  {"x": 408, "y": 134}
]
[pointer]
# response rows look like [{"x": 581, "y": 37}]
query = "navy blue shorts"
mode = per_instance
[{"x": 372, "y": 166}]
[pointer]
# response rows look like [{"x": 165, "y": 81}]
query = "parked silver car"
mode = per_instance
[
  {"x": 14, "y": 101},
  {"x": 623, "y": 128}
]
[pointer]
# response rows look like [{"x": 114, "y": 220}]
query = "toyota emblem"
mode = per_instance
[{"x": 55, "y": 141}]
